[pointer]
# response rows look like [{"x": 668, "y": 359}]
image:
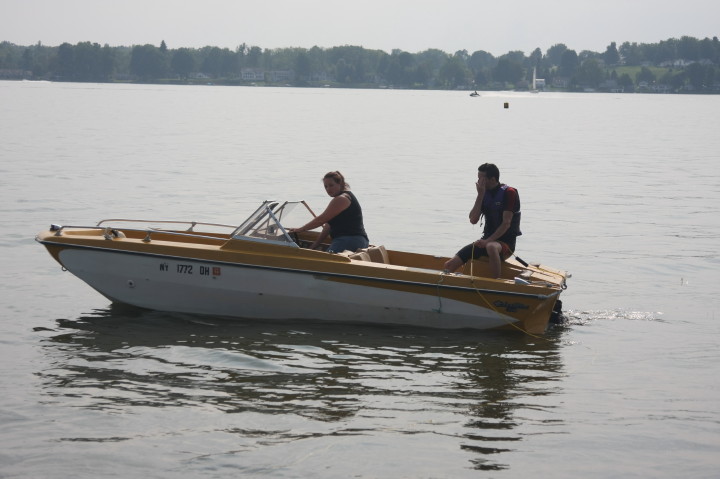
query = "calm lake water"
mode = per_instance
[{"x": 621, "y": 190}]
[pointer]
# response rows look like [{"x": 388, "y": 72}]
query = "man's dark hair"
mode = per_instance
[{"x": 490, "y": 170}]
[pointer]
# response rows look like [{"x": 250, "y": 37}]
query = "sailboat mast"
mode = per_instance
[{"x": 533, "y": 81}]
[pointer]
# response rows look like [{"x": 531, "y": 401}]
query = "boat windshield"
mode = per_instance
[{"x": 270, "y": 221}]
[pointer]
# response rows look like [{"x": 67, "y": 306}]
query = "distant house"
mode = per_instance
[
  {"x": 320, "y": 76},
  {"x": 252, "y": 74},
  {"x": 676, "y": 63},
  {"x": 281, "y": 76},
  {"x": 9, "y": 74},
  {"x": 644, "y": 86},
  {"x": 561, "y": 82},
  {"x": 199, "y": 76},
  {"x": 661, "y": 88},
  {"x": 611, "y": 86}
]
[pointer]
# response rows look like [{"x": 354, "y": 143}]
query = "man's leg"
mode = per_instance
[
  {"x": 453, "y": 264},
  {"x": 493, "y": 249}
]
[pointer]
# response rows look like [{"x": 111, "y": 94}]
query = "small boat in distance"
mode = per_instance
[
  {"x": 475, "y": 93},
  {"x": 261, "y": 271}
]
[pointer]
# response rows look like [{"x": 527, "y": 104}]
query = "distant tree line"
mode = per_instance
[{"x": 675, "y": 65}]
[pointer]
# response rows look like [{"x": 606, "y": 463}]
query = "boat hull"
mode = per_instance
[{"x": 262, "y": 290}]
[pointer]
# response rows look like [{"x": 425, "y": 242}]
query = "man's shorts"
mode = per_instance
[{"x": 478, "y": 252}]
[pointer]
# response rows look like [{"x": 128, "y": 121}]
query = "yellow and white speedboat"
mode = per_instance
[{"x": 259, "y": 270}]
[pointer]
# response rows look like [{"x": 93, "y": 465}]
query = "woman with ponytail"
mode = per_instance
[{"x": 342, "y": 219}]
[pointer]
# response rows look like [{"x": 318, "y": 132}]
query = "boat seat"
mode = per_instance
[
  {"x": 361, "y": 255},
  {"x": 374, "y": 254},
  {"x": 378, "y": 254}
]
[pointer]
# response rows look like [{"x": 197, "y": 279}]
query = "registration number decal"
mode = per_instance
[{"x": 184, "y": 268}]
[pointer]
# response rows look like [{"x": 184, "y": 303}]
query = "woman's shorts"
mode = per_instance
[{"x": 349, "y": 243}]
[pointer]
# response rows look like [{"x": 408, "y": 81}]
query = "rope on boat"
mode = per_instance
[
  {"x": 490, "y": 305},
  {"x": 439, "y": 308},
  {"x": 477, "y": 290}
]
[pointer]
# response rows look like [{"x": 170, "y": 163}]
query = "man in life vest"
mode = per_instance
[{"x": 500, "y": 205}]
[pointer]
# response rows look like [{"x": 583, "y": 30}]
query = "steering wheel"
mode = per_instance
[{"x": 294, "y": 236}]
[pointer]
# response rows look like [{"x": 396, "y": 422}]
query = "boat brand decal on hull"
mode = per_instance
[{"x": 510, "y": 307}]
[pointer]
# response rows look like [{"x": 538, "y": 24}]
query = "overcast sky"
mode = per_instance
[{"x": 412, "y": 25}]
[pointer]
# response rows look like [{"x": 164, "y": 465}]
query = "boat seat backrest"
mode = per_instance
[
  {"x": 378, "y": 254},
  {"x": 375, "y": 254}
]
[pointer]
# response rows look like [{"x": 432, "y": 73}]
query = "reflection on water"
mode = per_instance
[{"x": 358, "y": 378}]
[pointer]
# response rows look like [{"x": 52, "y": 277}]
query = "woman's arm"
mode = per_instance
[
  {"x": 336, "y": 206},
  {"x": 321, "y": 237}
]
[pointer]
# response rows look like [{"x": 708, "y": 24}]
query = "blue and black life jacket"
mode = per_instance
[{"x": 492, "y": 209}]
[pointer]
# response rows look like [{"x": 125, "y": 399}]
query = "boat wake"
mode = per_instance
[{"x": 585, "y": 317}]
